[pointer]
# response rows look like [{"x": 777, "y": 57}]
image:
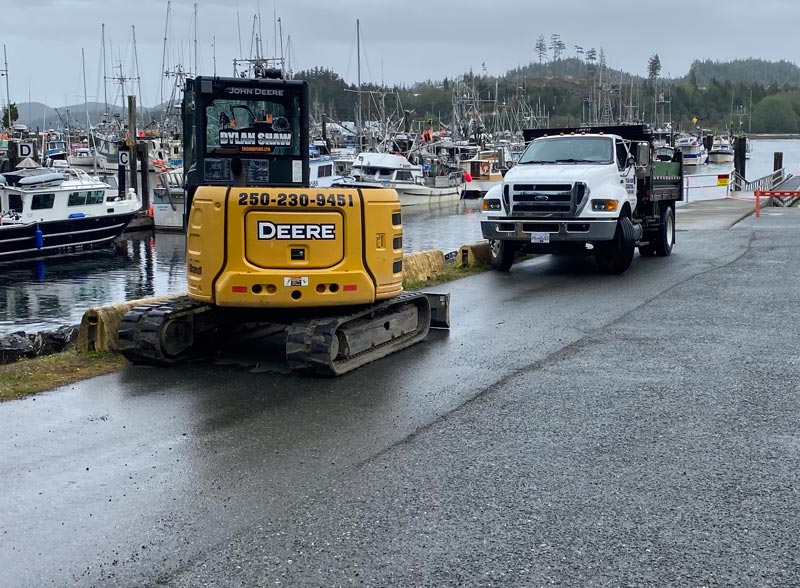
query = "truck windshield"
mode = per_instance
[{"x": 577, "y": 149}]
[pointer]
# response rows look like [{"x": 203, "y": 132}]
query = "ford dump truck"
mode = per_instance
[{"x": 593, "y": 190}]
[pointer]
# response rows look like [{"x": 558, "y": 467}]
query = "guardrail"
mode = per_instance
[
  {"x": 768, "y": 182},
  {"x": 706, "y": 182}
]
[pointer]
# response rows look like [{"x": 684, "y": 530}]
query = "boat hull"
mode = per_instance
[
  {"x": 19, "y": 241},
  {"x": 416, "y": 195},
  {"x": 720, "y": 157},
  {"x": 478, "y": 188}
]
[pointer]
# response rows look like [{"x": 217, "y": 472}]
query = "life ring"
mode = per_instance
[{"x": 484, "y": 168}]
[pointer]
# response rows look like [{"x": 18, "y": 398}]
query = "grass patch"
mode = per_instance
[
  {"x": 30, "y": 376},
  {"x": 451, "y": 273}
]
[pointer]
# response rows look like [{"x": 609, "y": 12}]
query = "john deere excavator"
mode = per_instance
[{"x": 265, "y": 248}]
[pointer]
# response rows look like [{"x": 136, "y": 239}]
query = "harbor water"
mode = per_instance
[{"x": 46, "y": 294}]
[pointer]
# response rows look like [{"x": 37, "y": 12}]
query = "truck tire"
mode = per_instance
[
  {"x": 666, "y": 232},
  {"x": 615, "y": 256},
  {"x": 502, "y": 253},
  {"x": 648, "y": 250}
]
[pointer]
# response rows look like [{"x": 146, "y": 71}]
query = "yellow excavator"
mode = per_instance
[{"x": 266, "y": 249}]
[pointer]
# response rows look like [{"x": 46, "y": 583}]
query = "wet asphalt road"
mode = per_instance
[{"x": 572, "y": 429}]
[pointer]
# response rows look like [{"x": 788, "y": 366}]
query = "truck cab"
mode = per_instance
[{"x": 582, "y": 191}]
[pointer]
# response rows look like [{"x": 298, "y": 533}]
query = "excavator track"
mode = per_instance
[
  {"x": 162, "y": 333},
  {"x": 335, "y": 345}
]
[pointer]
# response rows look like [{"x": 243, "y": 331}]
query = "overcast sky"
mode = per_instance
[{"x": 402, "y": 40}]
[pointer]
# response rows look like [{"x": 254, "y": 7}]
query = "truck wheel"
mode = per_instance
[
  {"x": 615, "y": 256},
  {"x": 666, "y": 232},
  {"x": 502, "y": 253},
  {"x": 648, "y": 250}
]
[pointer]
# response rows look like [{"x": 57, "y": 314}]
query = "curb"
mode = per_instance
[{"x": 99, "y": 325}]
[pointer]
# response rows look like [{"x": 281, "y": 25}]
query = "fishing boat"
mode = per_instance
[
  {"x": 46, "y": 211},
  {"x": 721, "y": 150},
  {"x": 413, "y": 188},
  {"x": 484, "y": 169},
  {"x": 169, "y": 201}
]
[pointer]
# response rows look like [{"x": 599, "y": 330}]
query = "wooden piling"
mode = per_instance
[{"x": 740, "y": 155}]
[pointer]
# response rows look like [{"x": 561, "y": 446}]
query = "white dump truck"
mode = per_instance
[{"x": 592, "y": 190}]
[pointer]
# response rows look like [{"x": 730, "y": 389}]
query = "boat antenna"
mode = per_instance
[
  {"x": 239, "y": 28},
  {"x": 214, "y": 53}
]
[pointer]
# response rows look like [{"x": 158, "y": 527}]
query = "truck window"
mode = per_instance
[
  {"x": 577, "y": 149},
  {"x": 622, "y": 155}
]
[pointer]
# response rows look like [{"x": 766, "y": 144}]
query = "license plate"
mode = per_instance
[{"x": 540, "y": 237}]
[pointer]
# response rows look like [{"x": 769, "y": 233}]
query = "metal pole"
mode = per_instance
[
  {"x": 358, "y": 54},
  {"x": 8, "y": 95},
  {"x": 131, "y": 142}
]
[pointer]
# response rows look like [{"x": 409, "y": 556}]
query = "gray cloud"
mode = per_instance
[{"x": 402, "y": 41}]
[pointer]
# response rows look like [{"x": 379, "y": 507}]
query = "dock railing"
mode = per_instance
[{"x": 768, "y": 182}]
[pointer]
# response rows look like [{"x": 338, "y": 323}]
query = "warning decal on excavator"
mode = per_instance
[{"x": 295, "y": 282}]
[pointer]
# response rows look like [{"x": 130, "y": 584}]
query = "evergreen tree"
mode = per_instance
[
  {"x": 541, "y": 48},
  {"x": 10, "y": 115}
]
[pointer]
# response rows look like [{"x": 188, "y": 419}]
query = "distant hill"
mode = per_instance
[
  {"x": 747, "y": 71},
  {"x": 37, "y": 115}
]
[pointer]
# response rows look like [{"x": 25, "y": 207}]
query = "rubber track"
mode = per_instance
[
  {"x": 309, "y": 341},
  {"x": 140, "y": 331}
]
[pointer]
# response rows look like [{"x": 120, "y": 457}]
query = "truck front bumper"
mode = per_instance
[{"x": 572, "y": 230}]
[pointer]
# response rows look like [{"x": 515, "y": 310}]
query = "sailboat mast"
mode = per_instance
[
  {"x": 136, "y": 63},
  {"x": 164, "y": 53},
  {"x": 196, "y": 66},
  {"x": 358, "y": 59},
  {"x": 88, "y": 122},
  {"x": 105, "y": 69},
  {"x": 8, "y": 94}
]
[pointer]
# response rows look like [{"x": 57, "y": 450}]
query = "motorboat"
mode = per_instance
[
  {"x": 54, "y": 211},
  {"x": 721, "y": 150},
  {"x": 86, "y": 157},
  {"x": 692, "y": 149},
  {"x": 665, "y": 153}
]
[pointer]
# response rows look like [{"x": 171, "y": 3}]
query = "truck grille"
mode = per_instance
[{"x": 547, "y": 200}]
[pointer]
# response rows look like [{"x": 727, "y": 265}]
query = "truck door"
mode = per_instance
[{"x": 627, "y": 176}]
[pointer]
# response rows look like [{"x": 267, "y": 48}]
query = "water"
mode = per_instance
[
  {"x": 47, "y": 294},
  {"x": 702, "y": 178}
]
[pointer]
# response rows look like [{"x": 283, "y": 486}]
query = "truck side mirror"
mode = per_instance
[{"x": 503, "y": 171}]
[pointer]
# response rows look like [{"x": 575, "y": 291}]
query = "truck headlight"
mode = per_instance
[
  {"x": 605, "y": 205},
  {"x": 491, "y": 204}
]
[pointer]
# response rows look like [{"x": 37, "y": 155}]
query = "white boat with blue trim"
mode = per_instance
[{"x": 44, "y": 212}]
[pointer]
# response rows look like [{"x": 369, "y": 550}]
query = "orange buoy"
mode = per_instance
[
  {"x": 468, "y": 177},
  {"x": 150, "y": 211}
]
